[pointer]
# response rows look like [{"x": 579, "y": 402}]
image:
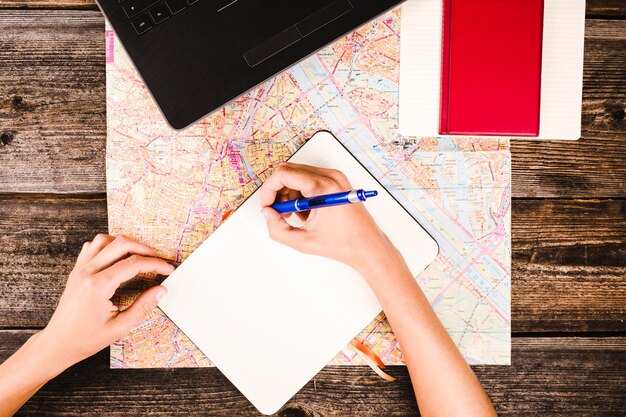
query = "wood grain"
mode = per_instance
[
  {"x": 52, "y": 102},
  {"x": 595, "y": 8},
  {"x": 39, "y": 241},
  {"x": 51, "y": 4},
  {"x": 615, "y": 9},
  {"x": 569, "y": 260},
  {"x": 549, "y": 376},
  {"x": 568, "y": 265},
  {"x": 52, "y": 112}
]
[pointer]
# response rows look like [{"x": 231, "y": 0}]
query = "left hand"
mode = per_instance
[{"x": 86, "y": 321}]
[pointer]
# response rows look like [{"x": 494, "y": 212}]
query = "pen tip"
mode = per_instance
[{"x": 372, "y": 193}]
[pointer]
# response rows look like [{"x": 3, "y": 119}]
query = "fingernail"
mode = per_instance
[
  {"x": 172, "y": 268},
  {"x": 160, "y": 294},
  {"x": 265, "y": 214}
]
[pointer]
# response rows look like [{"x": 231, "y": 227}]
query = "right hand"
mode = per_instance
[{"x": 344, "y": 233}]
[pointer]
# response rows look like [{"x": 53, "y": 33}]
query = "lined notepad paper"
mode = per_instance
[
  {"x": 420, "y": 67},
  {"x": 562, "y": 68}
]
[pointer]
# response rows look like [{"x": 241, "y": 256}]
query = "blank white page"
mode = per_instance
[
  {"x": 421, "y": 31},
  {"x": 561, "y": 73},
  {"x": 270, "y": 317},
  {"x": 562, "y": 69}
]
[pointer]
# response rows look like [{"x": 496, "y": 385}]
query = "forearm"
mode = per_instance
[
  {"x": 85, "y": 321},
  {"x": 443, "y": 382},
  {"x": 25, "y": 372}
]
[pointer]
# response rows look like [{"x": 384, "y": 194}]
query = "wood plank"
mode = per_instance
[
  {"x": 615, "y": 9},
  {"x": 49, "y": 4},
  {"x": 39, "y": 242},
  {"x": 52, "y": 102},
  {"x": 595, "y": 8},
  {"x": 569, "y": 260},
  {"x": 569, "y": 265},
  {"x": 555, "y": 376},
  {"x": 52, "y": 112}
]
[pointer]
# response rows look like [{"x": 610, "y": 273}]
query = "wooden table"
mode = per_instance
[{"x": 568, "y": 223}]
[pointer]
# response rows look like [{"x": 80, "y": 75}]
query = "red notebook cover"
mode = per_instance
[{"x": 491, "y": 67}]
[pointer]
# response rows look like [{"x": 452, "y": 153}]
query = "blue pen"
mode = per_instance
[{"x": 303, "y": 204}]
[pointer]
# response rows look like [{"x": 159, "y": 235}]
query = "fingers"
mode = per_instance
[
  {"x": 294, "y": 178},
  {"x": 281, "y": 231},
  {"x": 142, "y": 306},
  {"x": 338, "y": 176},
  {"x": 134, "y": 265},
  {"x": 286, "y": 194},
  {"x": 91, "y": 249},
  {"x": 82, "y": 256},
  {"x": 117, "y": 250}
]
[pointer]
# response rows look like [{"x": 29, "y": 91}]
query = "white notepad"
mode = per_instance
[
  {"x": 269, "y": 317},
  {"x": 561, "y": 68}
]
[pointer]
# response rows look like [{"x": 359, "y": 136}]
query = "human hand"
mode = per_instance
[
  {"x": 85, "y": 320},
  {"x": 345, "y": 233}
]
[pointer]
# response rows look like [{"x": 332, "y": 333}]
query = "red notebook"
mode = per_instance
[{"x": 491, "y": 67}]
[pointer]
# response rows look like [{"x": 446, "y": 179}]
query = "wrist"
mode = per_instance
[
  {"x": 391, "y": 280},
  {"x": 50, "y": 357},
  {"x": 384, "y": 261}
]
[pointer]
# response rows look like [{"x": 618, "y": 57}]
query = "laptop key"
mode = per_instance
[
  {"x": 175, "y": 6},
  {"x": 159, "y": 13},
  {"x": 133, "y": 7},
  {"x": 142, "y": 23}
]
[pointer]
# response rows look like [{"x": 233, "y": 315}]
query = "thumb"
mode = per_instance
[
  {"x": 279, "y": 229},
  {"x": 140, "y": 308}
]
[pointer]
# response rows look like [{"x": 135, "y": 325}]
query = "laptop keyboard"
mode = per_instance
[{"x": 146, "y": 14}]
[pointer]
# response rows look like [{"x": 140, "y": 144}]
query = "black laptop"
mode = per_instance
[{"x": 197, "y": 55}]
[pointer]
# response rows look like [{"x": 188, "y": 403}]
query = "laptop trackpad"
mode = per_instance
[{"x": 262, "y": 28}]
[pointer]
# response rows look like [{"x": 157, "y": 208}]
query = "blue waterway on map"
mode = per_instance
[
  {"x": 382, "y": 84},
  {"x": 319, "y": 101},
  {"x": 460, "y": 191},
  {"x": 446, "y": 144},
  {"x": 447, "y": 248},
  {"x": 366, "y": 139}
]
